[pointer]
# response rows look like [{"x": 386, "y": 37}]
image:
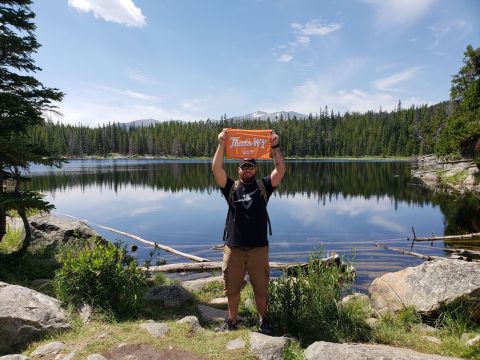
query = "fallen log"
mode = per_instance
[
  {"x": 406, "y": 252},
  {"x": 154, "y": 244},
  {"x": 212, "y": 265},
  {"x": 449, "y": 237},
  {"x": 217, "y": 265}
]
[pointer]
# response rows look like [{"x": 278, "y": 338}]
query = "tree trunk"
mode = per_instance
[{"x": 28, "y": 233}]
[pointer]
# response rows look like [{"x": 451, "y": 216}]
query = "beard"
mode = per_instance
[{"x": 247, "y": 178}]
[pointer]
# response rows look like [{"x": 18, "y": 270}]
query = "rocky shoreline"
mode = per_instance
[
  {"x": 457, "y": 177},
  {"x": 26, "y": 315}
]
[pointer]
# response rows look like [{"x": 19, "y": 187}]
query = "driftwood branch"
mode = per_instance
[
  {"x": 449, "y": 237},
  {"x": 151, "y": 243},
  {"x": 406, "y": 252}
]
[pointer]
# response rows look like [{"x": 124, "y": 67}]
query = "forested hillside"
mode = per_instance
[{"x": 403, "y": 132}]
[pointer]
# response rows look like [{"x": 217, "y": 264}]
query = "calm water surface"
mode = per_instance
[{"x": 342, "y": 206}]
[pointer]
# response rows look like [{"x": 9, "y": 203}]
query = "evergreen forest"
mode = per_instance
[{"x": 402, "y": 132}]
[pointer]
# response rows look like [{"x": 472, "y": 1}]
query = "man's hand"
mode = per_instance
[
  {"x": 274, "y": 138},
  {"x": 222, "y": 137}
]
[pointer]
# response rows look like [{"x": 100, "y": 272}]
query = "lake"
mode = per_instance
[{"x": 334, "y": 205}]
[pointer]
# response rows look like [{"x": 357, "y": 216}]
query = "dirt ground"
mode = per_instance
[{"x": 148, "y": 352}]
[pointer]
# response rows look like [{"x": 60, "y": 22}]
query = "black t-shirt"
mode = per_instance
[{"x": 247, "y": 214}]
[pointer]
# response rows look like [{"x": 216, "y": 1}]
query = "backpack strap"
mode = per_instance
[
  {"x": 230, "y": 202},
  {"x": 263, "y": 191}
]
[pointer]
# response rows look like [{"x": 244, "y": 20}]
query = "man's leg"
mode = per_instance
[
  {"x": 233, "y": 275},
  {"x": 259, "y": 272}
]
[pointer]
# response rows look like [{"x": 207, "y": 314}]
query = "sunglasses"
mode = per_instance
[{"x": 247, "y": 166}]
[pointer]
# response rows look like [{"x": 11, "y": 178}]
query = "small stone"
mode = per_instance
[
  {"x": 219, "y": 301},
  {"x": 155, "y": 329},
  {"x": 52, "y": 348},
  {"x": 372, "y": 321},
  {"x": 96, "y": 357},
  {"x": 121, "y": 345},
  {"x": 192, "y": 320},
  {"x": 236, "y": 344},
  {"x": 14, "y": 357},
  {"x": 432, "y": 339},
  {"x": 102, "y": 335},
  {"x": 474, "y": 341}
]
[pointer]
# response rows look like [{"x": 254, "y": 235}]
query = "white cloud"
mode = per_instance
[
  {"x": 303, "y": 34},
  {"x": 445, "y": 29},
  {"x": 396, "y": 12},
  {"x": 118, "y": 11},
  {"x": 314, "y": 94},
  {"x": 144, "y": 97},
  {"x": 285, "y": 58},
  {"x": 314, "y": 28},
  {"x": 131, "y": 94},
  {"x": 137, "y": 76},
  {"x": 392, "y": 80}
]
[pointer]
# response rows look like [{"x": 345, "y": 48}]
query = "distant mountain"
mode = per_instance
[
  {"x": 140, "y": 123},
  {"x": 262, "y": 115}
]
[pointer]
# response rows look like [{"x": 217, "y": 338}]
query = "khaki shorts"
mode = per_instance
[{"x": 238, "y": 261}]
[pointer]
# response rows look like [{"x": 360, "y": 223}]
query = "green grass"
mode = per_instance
[{"x": 12, "y": 240}]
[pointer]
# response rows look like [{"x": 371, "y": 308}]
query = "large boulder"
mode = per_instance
[
  {"x": 426, "y": 287},
  {"x": 26, "y": 315},
  {"x": 49, "y": 231},
  {"x": 321, "y": 350}
]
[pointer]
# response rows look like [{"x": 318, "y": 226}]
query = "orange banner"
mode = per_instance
[{"x": 248, "y": 143}]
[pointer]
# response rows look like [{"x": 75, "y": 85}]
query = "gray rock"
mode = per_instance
[
  {"x": 430, "y": 178},
  {"x": 69, "y": 356},
  {"x": 85, "y": 312},
  {"x": 469, "y": 180},
  {"x": 211, "y": 315},
  {"x": 321, "y": 350},
  {"x": 170, "y": 296},
  {"x": 192, "y": 320},
  {"x": 155, "y": 329},
  {"x": 236, "y": 344},
  {"x": 219, "y": 301},
  {"x": 432, "y": 339},
  {"x": 49, "y": 349},
  {"x": 426, "y": 287},
  {"x": 198, "y": 284},
  {"x": 14, "y": 357},
  {"x": 26, "y": 315},
  {"x": 266, "y": 347},
  {"x": 474, "y": 341},
  {"x": 96, "y": 357},
  {"x": 49, "y": 231}
]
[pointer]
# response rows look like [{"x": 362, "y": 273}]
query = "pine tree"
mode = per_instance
[
  {"x": 462, "y": 132},
  {"x": 23, "y": 102}
]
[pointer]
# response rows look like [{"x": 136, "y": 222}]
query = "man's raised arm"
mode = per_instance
[
  {"x": 279, "y": 171},
  {"x": 217, "y": 165}
]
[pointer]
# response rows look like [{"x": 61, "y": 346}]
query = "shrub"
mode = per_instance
[
  {"x": 103, "y": 276},
  {"x": 308, "y": 305}
]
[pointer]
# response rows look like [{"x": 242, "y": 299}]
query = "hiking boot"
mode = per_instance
[
  {"x": 265, "y": 328},
  {"x": 228, "y": 325}
]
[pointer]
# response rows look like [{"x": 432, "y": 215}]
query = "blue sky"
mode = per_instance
[{"x": 123, "y": 60}]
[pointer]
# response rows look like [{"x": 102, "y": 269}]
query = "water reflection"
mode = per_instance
[{"x": 342, "y": 206}]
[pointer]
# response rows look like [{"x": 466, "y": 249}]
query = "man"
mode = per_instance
[{"x": 246, "y": 243}]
